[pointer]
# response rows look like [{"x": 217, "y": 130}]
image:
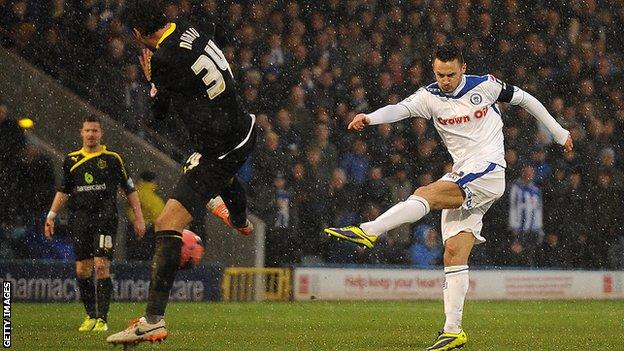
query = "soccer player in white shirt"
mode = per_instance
[{"x": 465, "y": 112}]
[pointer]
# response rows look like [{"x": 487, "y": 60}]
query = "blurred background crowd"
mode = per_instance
[{"x": 306, "y": 68}]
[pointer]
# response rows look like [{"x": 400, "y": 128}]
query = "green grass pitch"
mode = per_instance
[{"x": 406, "y": 325}]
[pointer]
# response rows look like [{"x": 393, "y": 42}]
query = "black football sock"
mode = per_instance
[
  {"x": 87, "y": 295},
  {"x": 236, "y": 202},
  {"x": 103, "y": 296},
  {"x": 165, "y": 264}
]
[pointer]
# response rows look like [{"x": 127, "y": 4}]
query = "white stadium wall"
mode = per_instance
[{"x": 411, "y": 284}]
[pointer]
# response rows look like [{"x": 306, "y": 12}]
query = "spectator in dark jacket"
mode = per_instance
[{"x": 551, "y": 253}]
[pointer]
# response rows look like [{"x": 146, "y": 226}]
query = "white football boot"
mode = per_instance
[{"x": 139, "y": 331}]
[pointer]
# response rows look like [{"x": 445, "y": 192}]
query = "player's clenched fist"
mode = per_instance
[{"x": 359, "y": 122}]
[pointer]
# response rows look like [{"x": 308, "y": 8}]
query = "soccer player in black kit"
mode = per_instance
[
  {"x": 188, "y": 71},
  {"x": 91, "y": 178}
]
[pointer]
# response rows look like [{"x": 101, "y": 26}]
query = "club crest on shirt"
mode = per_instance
[
  {"x": 101, "y": 164},
  {"x": 476, "y": 99}
]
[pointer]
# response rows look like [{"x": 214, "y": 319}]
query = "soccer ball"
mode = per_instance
[{"x": 192, "y": 250}]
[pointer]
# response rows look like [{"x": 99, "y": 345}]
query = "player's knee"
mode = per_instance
[
  {"x": 421, "y": 191},
  {"x": 456, "y": 251},
  {"x": 452, "y": 249},
  {"x": 84, "y": 273},
  {"x": 102, "y": 270},
  {"x": 84, "y": 269},
  {"x": 426, "y": 193},
  {"x": 163, "y": 223},
  {"x": 159, "y": 223},
  {"x": 171, "y": 221}
]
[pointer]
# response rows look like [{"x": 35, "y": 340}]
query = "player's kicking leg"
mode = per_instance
[
  {"x": 408, "y": 211},
  {"x": 353, "y": 234},
  {"x": 232, "y": 198}
]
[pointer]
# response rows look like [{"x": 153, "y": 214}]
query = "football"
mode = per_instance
[{"x": 192, "y": 250}]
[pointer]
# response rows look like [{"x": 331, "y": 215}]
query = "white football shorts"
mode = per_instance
[{"x": 483, "y": 183}]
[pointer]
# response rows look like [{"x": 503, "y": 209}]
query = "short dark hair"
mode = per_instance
[
  {"x": 448, "y": 52},
  {"x": 148, "y": 16},
  {"x": 92, "y": 118}
]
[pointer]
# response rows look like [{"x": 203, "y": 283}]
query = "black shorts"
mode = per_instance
[
  {"x": 93, "y": 234},
  {"x": 204, "y": 178}
]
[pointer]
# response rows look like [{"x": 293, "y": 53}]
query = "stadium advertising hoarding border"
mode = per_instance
[
  {"x": 409, "y": 284},
  {"x": 50, "y": 281}
]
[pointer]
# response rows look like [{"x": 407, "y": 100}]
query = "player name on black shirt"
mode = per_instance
[{"x": 191, "y": 73}]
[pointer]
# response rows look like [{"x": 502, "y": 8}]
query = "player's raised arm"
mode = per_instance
[{"x": 519, "y": 97}]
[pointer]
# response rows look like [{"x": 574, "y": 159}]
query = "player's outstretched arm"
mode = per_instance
[
  {"x": 57, "y": 204},
  {"x": 536, "y": 109},
  {"x": 386, "y": 114}
]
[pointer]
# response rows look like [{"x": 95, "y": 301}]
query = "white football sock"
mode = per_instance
[
  {"x": 455, "y": 289},
  {"x": 408, "y": 211}
]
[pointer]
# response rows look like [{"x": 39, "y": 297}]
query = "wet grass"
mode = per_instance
[{"x": 529, "y": 325}]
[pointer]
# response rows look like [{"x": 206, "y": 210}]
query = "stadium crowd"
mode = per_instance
[{"x": 305, "y": 71}]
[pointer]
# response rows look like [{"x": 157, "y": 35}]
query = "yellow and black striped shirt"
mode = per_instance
[{"x": 92, "y": 180}]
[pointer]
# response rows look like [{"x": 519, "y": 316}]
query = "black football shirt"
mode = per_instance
[
  {"x": 92, "y": 180},
  {"x": 192, "y": 75}
]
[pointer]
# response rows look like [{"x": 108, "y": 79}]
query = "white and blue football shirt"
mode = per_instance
[{"x": 468, "y": 119}]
